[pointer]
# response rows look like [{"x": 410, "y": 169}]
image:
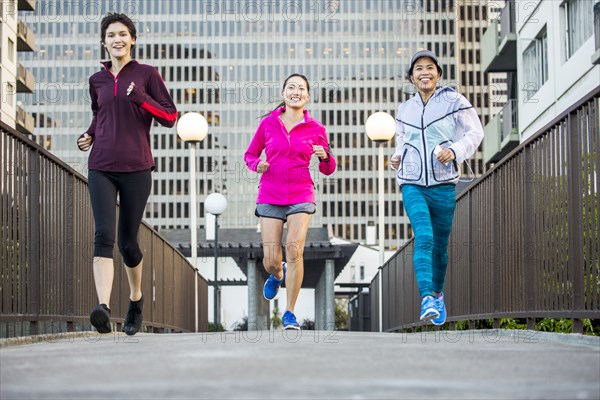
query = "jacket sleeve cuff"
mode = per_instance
[
  {"x": 80, "y": 136},
  {"x": 329, "y": 155},
  {"x": 453, "y": 152}
]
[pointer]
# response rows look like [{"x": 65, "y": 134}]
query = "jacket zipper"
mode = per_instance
[
  {"x": 116, "y": 78},
  {"x": 424, "y": 142}
]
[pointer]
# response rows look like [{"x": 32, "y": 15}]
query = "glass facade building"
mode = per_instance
[{"x": 228, "y": 59}]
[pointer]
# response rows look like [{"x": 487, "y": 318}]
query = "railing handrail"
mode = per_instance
[
  {"x": 47, "y": 230},
  {"x": 593, "y": 93},
  {"x": 27, "y": 140},
  {"x": 520, "y": 208}
]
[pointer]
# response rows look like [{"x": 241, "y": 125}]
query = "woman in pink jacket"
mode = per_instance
[{"x": 289, "y": 137}]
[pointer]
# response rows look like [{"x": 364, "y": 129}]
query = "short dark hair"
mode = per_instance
[{"x": 111, "y": 18}]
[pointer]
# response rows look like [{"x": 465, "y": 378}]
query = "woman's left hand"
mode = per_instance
[
  {"x": 445, "y": 156},
  {"x": 320, "y": 152}
]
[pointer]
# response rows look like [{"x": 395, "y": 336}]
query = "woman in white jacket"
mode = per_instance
[{"x": 436, "y": 130}]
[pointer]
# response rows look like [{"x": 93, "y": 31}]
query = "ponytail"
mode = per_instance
[{"x": 269, "y": 112}]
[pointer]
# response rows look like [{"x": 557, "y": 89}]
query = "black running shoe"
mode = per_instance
[
  {"x": 100, "y": 318},
  {"x": 133, "y": 319}
]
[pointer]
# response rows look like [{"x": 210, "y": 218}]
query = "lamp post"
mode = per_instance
[
  {"x": 192, "y": 128},
  {"x": 380, "y": 128},
  {"x": 216, "y": 204}
]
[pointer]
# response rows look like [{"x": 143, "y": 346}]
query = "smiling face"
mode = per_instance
[
  {"x": 295, "y": 93},
  {"x": 425, "y": 76},
  {"x": 118, "y": 41}
]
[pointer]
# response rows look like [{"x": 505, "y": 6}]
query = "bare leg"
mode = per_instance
[
  {"x": 134, "y": 277},
  {"x": 104, "y": 272},
  {"x": 294, "y": 251},
  {"x": 271, "y": 231}
]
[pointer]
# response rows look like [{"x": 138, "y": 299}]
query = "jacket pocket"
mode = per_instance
[
  {"x": 443, "y": 172},
  {"x": 411, "y": 164}
]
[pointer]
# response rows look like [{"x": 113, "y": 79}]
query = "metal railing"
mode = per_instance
[
  {"x": 524, "y": 241},
  {"x": 47, "y": 235}
]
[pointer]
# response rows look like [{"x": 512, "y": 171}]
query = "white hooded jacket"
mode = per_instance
[{"x": 448, "y": 120}]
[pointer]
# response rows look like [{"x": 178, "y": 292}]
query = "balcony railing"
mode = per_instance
[
  {"x": 46, "y": 239},
  {"x": 597, "y": 24},
  {"x": 24, "y": 121},
  {"x": 499, "y": 44},
  {"x": 501, "y": 133},
  {"x": 525, "y": 241},
  {"x": 510, "y": 120},
  {"x": 25, "y": 37},
  {"x": 25, "y": 80},
  {"x": 26, "y": 5},
  {"x": 507, "y": 20},
  {"x": 596, "y": 56}
]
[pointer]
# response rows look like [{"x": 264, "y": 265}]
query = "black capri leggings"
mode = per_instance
[{"x": 133, "y": 189}]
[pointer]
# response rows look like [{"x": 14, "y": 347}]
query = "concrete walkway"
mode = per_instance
[{"x": 293, "y": 365}]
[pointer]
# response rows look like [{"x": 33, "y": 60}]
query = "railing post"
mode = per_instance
[
  {"x": 529, "y": 242},
  {"x": 70, "y": 248},
  {"x": 497, "y": 252},
  {"x": 574, "y": 209},
  {"x": 252, "y": 295},
  {"x": 33, "y": 239}
]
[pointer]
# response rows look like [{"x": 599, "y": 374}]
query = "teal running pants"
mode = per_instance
[{"x": 430, "y": 211}]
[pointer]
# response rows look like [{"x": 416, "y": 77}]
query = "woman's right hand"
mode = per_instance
[
  {"x": 84, "y": 142},
  {"x": 262, "y": 167},
  {"x": 395, "y": 162}
]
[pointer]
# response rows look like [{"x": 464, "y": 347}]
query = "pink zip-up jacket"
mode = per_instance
[{"x": 288, "y": 179}]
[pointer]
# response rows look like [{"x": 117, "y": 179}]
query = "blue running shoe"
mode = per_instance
[
  {"x": 289, "y": 321},
  {"x": 428, "y": 310},
  {"x": 272, "y": 285},
  {"x": 441, "y": 308}
]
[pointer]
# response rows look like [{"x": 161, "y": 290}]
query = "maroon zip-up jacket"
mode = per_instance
[{"x": 120, "y": 127}]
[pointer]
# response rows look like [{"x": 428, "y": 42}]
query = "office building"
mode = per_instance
[
  {"x": 15, "y": 37},
  {"x": 227, "y": 60},
  {"x": 550, "y": 53}
]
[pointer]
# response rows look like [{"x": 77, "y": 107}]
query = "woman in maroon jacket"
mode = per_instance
[{"x": 126, "y": 97}]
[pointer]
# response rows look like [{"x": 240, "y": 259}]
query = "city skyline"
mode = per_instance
[{"x": 227, "y": 60}]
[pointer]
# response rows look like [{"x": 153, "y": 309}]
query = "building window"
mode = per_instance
[
  {"x": 11, "y": 50},
  {"x": 535, "y": 64},
  {"x": 10, "y": 94},
  {"x": 579, "y": 22}
]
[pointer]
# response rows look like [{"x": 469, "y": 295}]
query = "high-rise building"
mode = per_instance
[
  {"x": 228, "y": 59},
  {"x": 473, "y": 17},
  {"x": 15, "y": 36}
]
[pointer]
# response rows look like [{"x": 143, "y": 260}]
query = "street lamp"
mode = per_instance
[
  {"x": 216, "y": 204},
  {"x": 380, "y": 128},
  {"x": 192, "y": 128}
]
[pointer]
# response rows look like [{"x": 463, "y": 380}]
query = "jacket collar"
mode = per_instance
[
  {"x": 438, "y": 91},
  {"x": 277, "y": 112},
  {"x": 108, "y": 64}
]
